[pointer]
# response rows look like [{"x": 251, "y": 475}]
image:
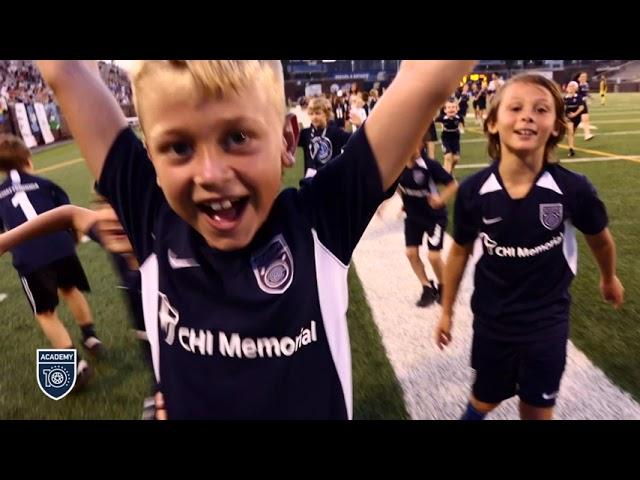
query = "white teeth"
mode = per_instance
[{"x": 217, "y": 206}]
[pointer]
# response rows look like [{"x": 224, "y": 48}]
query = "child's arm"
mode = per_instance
[
  {"x": 440, "y": 200},
  {"x": 396, "y": 126},
  {"x": 91, "y": 111},
  {"x": 576, "y": 113},
  {"x": 60, "y": 218},
  {"x": 453, "y": 270},
  {"x": 604, "y": 251}
]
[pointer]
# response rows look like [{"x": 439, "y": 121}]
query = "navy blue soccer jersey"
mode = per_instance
[
  {"x": 321, "y": 145},
  {"x": 23, "y": 197},
  {"x": 573, "y": 102},
  {"x": 450, "y": 125},
  {"x": 259, "y": 332},
  {"x": 583, "y": 90},
  {"x": 416, "y": 184},
  {"x": 526, "y": 247}
]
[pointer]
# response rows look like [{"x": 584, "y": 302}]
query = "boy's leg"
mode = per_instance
[
  {"x": 71, "y": 280},
  {"x": 417, "y": 265},
  {"x": 455, "y": 158},
  {"x": 542, "y": 366},
  {"x": 40, "y": 289},
  {"x": 78, "y": 305},
  {"x": 571, "y": 126},
  {"x": 529, "y": 412},
  {"x": 584, "y": 118},
  {"x": 54, "y": 330},
  {"x": 448, "y": 162},
  {"x": 431, "y": 150},
  {"x": 435, "y": 241},
  {"x": 496, "y": 371},
  {"x": 413, "y": 234}
]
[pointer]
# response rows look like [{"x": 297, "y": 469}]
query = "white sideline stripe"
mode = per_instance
[{"x": 436, "y": 383}]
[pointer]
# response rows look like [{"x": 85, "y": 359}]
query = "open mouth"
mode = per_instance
[
  {"x": 526, "y": 133},
  {"x": 225, "y": 213}
]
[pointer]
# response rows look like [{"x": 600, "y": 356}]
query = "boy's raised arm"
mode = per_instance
[
  {"x": 396, "y": 126},
  {"x": 92, "y": 113}
]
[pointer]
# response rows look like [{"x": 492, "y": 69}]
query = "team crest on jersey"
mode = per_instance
[
  {"x": 321, "y": 149},
  {"x": 418, "y": 177},
  {"x": 273, "y": 266},
  {"x": 56, "y": 371},
  {"x": 551, "y": 215}
]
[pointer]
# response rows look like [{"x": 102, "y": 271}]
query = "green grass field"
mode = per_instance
[{"x": 609, "y": 338}]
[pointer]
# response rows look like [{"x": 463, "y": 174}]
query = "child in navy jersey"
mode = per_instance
[
  {"x": 244, "y": 287},
  {"x": 574, "y": 106},
  {"x": 48, "y": 265},
  {"x": 583, "y": 92},
  {"x": 426, "y": 213},
  {"x": 524, "y": 210},
  {"x": 451, "y": 124},
  {"x": 102, "y": 226},
  {"x": 321, "y": 142}
]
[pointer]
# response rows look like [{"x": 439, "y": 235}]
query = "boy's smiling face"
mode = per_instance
[{"x": 218, "y": 160}]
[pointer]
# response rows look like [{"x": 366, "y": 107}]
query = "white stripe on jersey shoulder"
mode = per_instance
[
  {"x": 150, "y": 286},
  {"x": 547, "y": 181},
  {"x": 570, "y": 246},
  {"x": 490, "y": 185},
  {"x": 420, "y": 162},
  {"x": 333, "y": 294},
  {"x": 15, "y": 177}
]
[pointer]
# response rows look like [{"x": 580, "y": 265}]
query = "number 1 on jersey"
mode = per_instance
[{"x": 21, "y": 199}]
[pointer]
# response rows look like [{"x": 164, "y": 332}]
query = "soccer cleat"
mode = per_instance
[
  {"x": 94, "y": 346},
  {"x": 572, "y": 153},
  {"x": 83, "y": 375},
  {"x": 589, "y": 137},
  {"x": 148, "y": 409},
  {"x": 427, "y": 298}
]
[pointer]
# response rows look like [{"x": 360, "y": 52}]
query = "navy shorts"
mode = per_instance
[
  {"x": 41, "y": 286},
  {"x": 576, "y": 121},
  {"x": 451, "y": 144},
  {"x": 530, "y": 369},
  {"x": 414, "y": 233}
]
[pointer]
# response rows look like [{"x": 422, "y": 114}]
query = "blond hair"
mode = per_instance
[
  {"x": 213, "y": 78},
  {"x": 322, "y": 104}
]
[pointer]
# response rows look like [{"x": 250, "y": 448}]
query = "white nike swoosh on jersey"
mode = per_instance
[
  {"x": 550, "y": 395},
  {"x": 489, "y": 221},
  {"x": 177, "y": 263}
]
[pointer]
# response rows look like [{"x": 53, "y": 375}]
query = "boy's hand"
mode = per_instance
[
  {"x": 435, "y": 201},
  {"x": 443, "y": 331},
  {"x": 355, "y": 119},
  {"x": 612, "y": 291}
]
